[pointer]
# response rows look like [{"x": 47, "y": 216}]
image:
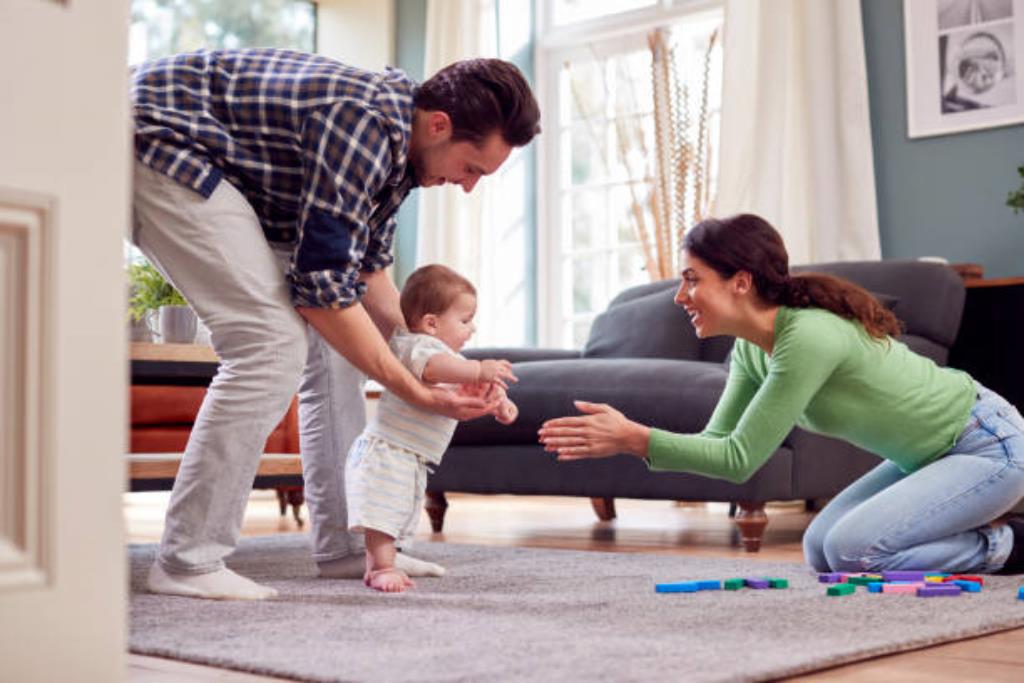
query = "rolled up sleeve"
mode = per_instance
[{"x": 348, "y": 162}]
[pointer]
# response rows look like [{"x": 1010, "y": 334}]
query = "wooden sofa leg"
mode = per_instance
[
  {"x": 604, "y": 508},
  {"x": 436, "y": 505},
  {"x": 751, "y": 519}
]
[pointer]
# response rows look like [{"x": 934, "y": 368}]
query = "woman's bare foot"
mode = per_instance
[{"x": 388, "y": 580}]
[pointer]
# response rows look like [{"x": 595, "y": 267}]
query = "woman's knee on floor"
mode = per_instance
[
  {"x": 848, "y": 548},
  {"x": 814, "y": 546}
]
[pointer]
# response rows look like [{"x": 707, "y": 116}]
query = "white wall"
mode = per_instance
[{"x": 357, "y": 32}]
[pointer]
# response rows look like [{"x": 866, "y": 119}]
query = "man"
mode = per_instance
[{"x": 266, "y": 186}]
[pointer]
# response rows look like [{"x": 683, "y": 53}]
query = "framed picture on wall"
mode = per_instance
[{"x": 964, "y": 60}]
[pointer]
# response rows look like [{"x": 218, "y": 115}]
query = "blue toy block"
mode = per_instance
[
  {"x": 709, "y": 585},
  {"x": 681, "y": 587},
  {"x": 875, "y": 587},
  {"x": 1020, "y": 593},
  {"x": 968, "y": 586}
]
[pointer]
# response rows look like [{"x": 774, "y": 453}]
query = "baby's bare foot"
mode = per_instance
[{"x": 388, "y": 580}]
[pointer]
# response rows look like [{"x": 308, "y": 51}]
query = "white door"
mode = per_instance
[{"x": 64, "y": 160}]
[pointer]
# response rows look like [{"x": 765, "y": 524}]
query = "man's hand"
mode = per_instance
[{"x": 466, "y": 403}]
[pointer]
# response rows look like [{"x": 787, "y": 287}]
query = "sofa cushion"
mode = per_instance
[
  {"x": 930, "y": 296},
  {"x": 650, "y": 326}
]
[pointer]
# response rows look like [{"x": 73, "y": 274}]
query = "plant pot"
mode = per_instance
[
  {"x": 177, "y": 325},
  {"x": 141, "y": 330}
]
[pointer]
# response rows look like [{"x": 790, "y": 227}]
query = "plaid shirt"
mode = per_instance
[{"x": 318, "y": 148}]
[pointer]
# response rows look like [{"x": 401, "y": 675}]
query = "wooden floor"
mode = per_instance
[{"x": 642, "y": 526}]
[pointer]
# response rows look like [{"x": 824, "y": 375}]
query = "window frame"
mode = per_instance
[{"x": 553, "y": 45}]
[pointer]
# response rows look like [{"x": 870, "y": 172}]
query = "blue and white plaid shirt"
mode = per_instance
[{"x": 318, "y": 148}]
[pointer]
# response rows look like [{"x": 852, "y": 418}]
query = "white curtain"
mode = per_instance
[
  {"x": 796, "y": 132},
  {"x": 450, "y": 220},
  {"x": 480, "y": 234}
]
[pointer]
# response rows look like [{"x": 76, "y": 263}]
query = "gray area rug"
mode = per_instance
[{"x": 522, "y": 614}]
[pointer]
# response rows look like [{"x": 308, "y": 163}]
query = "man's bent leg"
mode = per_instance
[{"x": 214, "y": 252}]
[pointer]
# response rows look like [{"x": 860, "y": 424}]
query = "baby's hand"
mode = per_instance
[
  {"x": 506, "y": 413},
  {"x": 497, "y": 371}
]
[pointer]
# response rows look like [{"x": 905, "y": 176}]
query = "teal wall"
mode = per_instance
[
  {"x": 410, "y": 43},
  {"x": 937, "y": 196}
]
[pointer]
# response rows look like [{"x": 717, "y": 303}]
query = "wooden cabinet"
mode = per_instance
[{"x": 990, "y": 344}]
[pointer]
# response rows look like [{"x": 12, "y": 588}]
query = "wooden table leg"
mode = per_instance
[
  {"x": 752, "y": 520},
  {"x": 436, "y": 505},
  {"x": 604, "y": 508}
]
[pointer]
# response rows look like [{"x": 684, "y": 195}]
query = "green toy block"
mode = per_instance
[
  {"x": 842, "y": 589},
  {"x": 863, "y": 580},
  {"x": 778, "y": 583},
  {"x": 732, "y": 584}
]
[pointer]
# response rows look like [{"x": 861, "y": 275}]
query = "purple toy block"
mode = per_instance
[
  {"x": 938, "y": 590},
  {"x": 756, "y": 583},
  {"x": 830, "y": 578},
  {"x": 903, "y": 576}
]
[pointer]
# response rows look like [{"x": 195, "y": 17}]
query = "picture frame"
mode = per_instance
[{"x": 964, "y": 65}]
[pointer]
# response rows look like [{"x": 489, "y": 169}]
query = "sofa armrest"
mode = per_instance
[{"x": 521, "y": 354}]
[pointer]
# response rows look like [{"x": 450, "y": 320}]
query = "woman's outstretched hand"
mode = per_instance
[{"x": 601, "y": 431}]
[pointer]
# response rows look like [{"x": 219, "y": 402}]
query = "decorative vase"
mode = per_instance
[
  {"x": 177, "y": 325},
  {"x": 141, "y": 330}
]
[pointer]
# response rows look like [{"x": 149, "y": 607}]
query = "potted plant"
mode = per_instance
[
  {"x": 153, "y": 296},
  {"x": 1015, "y": 200}
]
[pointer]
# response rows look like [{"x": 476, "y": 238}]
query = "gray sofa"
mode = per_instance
[{"x": 643, "y": 358}]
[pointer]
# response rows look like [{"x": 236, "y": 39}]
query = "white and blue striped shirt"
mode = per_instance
[{"x": 405, "y": 425}]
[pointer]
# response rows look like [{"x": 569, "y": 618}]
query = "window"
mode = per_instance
[
  {"x": 599, "y": 151},
  {"x": 166, "y": 27}
]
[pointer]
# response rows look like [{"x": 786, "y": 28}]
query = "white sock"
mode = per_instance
[
  {"x": 414, "y": 567},
  {"x": 354, "y": 567},
  {"x": 222, "y": 584}
]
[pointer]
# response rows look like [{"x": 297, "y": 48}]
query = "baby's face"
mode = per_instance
[{"x": 455, "y": 326}]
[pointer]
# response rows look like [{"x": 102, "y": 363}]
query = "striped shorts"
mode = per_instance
[{"x": 384, "y": 486}]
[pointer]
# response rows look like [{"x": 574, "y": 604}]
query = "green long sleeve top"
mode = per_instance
[{"x": 826, "y": 375}]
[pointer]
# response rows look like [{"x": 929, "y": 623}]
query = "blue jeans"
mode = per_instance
[{"x": 936, "y": 518}]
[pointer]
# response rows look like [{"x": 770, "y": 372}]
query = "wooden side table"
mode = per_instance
[{"x": 990, "y": 344}]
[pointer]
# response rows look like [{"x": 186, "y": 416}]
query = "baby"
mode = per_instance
[{"x": 386, "y": 471}]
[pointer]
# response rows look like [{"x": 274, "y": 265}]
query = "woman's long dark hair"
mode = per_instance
[{"x": 748, "y": 242}]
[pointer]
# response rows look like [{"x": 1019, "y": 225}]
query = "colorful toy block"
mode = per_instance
[
  {"x": 934, "y": 578},
  {"x": 710, "y": 585},
  {"x": 1020, "y": 593},
  {"x": 681, "y": 587},
  {"x": 864, "y": 579},
  {"x": 966, "y": 577},
  {"x": 830, "y": 578},
  {"x": 755, "y": 582},
  {"x": 967, "y": 586},
  {"x": 733, "y": 584},
  {"x": 902, "y": 575},
  {"x": 910, "y": 588},
  {"x": 778, "y": 583},
  {"x": 842, "y": 589},
  {"x": 875, "y": 587},
  {"x": 938, "y": 590}
]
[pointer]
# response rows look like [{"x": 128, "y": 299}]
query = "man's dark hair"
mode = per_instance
[{"x": 482, "y": 96}]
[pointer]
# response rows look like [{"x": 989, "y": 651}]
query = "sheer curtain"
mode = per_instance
[
  {"x": 471, "y": 232},
  {"x": 796, "y": 132}
]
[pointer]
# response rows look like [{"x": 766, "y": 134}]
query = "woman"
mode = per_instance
[{"x": 817, "y": 351}]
